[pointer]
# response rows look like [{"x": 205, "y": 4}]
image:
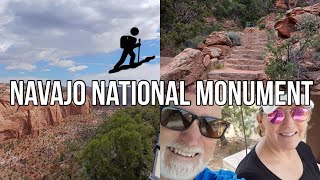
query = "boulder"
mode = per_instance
[
  {"x": 286, "y": 25},
  {"x": 281, "y": 4},
  {"x": 218, "y": 38},
  {"x": 212, "y": 51},
  {"x": 224, "y": 49},
  {"x": 187, "y": 66},
  {"x": 206, "y": 60},
  {"x": 201, "y": 45}
]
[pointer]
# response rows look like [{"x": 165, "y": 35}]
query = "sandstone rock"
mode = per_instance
[
  {"x": 206, "y": 60},
  {"x": 224, "y": 49},
  {"x": 201, "y": 45},
  {"x": 269, "y": 21},
  {"x": 286, "y": 25},
  {"x": 203, "y": 76},
  {"x": 214, "y": 60},
  {"x": 187, "y": 66},
  {"x": 294, "y": 12},
  {"x": 315, "y": 9},
  {"x": 212, "y": 51},
  {"x": 281, "y": 4},
  {"x": 191, "y": 88},
  {"x": 309, "y": 66},
  {"x": 164, "y": 61},
  {"x": 218, "y": 38},
  {"x": 212, "y": 63}
]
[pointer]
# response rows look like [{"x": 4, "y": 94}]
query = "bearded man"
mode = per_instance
[{"x": 188, "y": 136}]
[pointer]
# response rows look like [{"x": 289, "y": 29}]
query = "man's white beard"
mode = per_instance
[{"x": 177, "y": 170}]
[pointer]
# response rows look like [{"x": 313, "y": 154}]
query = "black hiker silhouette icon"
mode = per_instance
[{"x": 128, "y": 44}]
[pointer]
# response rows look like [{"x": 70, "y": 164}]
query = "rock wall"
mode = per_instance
[
  {"x": 18, "y": 121},
  {"x": 286, "y": 26},
  {"x": 281, "y": 4},
  {"x": 192, "y": 64}
]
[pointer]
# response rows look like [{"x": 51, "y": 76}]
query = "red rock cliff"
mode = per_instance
[{"x": 20, "y": 121}]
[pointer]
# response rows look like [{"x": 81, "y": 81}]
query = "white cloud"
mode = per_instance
[
  {"x": 21, "y": 66},
  {"x": 48, "y": 30},
  {"x": 77, "y": 68},
  {"x": 62, "y": 63},
  {"x": 46, "y": 70},
  {"x": 4, "y": 46}
]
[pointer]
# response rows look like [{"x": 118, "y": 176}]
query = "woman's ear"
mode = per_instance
[
  {"x": 259, "y": 118},
  {"x": 260, "y": 127}
]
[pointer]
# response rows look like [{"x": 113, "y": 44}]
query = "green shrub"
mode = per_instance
[
  {"x": 192, "y": 43},
  {"x": 218, "y": 66},
  {"x": 122, "y": 148},
  {"x": 235, "y": 38},
  {"x": 316, "y": 45},
  {"x": 279, "y": 16},
  {"x": 308, "y": 23},
  {"x": 281, "y": 70},
  {"x": 262, "y": 26}
]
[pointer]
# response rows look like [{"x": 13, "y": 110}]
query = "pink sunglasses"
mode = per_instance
[{"x": 298, "y": 114}]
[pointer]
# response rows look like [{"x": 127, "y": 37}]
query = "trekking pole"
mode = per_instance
[{"x": 139, "y": 51}]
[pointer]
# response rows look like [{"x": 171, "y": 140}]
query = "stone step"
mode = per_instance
[
  {"x": 251, "y": 47},
  {"x": 255, "y": 36},
  {"x": 254, "y": 40},
  {"x": 247, "y": 51},
  {"x": 245, "y": 56},
  {"x": 234, "y": 74},
  {"x": 237, "y": 61},
  {"x": 244, "y": 67},
  {"x": 254, "y": 43}
]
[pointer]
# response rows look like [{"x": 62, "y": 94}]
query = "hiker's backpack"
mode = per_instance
[{"x": 127, "y": 41}]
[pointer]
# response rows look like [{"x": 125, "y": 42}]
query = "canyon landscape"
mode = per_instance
[{"x": 42, "y": 142}]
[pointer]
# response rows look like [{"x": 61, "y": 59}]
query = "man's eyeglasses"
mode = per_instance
[
  {"x": 298, "y": 114},
  {"x": 178, "y": 119}
]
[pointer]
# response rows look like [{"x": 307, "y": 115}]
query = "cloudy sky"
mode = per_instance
[{"x": 75, "y": 39}]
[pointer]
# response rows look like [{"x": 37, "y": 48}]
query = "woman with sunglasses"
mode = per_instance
[
  {"x": 188, "y": 135},
  {"x": 280, "y": 154}
]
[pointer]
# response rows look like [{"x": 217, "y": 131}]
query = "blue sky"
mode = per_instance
[{"x": 62, "y": 40}]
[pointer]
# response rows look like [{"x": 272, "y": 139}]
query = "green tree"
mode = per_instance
[
  {"x": 233, "y": 114},
  {"x": 285, "y": 58},
  {"x": 122, "y": 148},
  {"x": 183, "y": 21}
]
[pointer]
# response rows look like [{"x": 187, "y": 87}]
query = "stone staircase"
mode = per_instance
[{"x": 244, "y": 62}]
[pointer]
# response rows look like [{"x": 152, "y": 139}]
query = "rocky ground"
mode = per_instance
[{"x": 51, "y": 155}]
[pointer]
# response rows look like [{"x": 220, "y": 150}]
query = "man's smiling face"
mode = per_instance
[{"x": 184, "y": 154}]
